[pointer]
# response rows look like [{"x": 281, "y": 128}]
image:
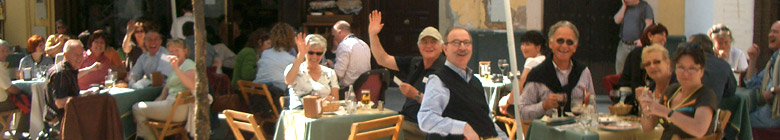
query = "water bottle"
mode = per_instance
[{"x": 350, "y": 100}]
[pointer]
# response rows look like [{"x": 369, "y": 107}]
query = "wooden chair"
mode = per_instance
[
  {"x": 375, "y": 124},
  {"x": 511, "y": 128},
  {"x": 247, "y": 87},
  {"x": 6, "y": 119},
  {"x": 722, "y": 122},
  {"x": 239, "y": 121},
  {"x": 165, "y": 128}
]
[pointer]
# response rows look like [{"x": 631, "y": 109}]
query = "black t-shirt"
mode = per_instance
[
  {"x": 702, "y": 97},
  {"x": 417, "y": 76}
]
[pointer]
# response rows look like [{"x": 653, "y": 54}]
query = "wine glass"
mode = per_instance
[
  {"x": 502, "y": 65},
  {"x": 562, "y": 102}
]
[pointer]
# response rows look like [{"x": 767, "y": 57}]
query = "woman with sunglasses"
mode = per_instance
[
  {"x": 133, "y": 43},
  {"x": 633, "y": 75},
  {"x": 305, "y": 76},
  {"x": 722, "y": 40},
  {"x": 686, "y": 109}
]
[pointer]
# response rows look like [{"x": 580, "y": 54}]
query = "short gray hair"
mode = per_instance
[
  {"x": 316, "y": 40},
  {"x": 342, "y": 25},
  {"x": 564, "y": 23}
]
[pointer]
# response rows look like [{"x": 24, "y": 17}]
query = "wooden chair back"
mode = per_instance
[
  {"x": 247, "y": 87},
  {"x": 722, "y": 122},
  {"x": 169, "y": 128},
  {"x": 373, "y": 125},
  {"x": 241, "y": 121}
]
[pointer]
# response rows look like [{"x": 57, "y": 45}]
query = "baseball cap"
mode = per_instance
[{"x": 429, "y": 31}]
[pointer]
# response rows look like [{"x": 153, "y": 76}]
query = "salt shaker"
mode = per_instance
[{"x": 381, "y": 106}]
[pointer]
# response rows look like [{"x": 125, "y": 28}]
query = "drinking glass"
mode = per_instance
[
  {"x": 366, "y": 97},
  {"x": 502, "y": 65},
  {"x": 484, "y": 69}
]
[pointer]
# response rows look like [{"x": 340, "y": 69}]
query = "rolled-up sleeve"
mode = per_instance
[
  {"x": 430, "y": 115},
  {"x": 530, "y": 105},
  {"x": 342, "y": 59}
]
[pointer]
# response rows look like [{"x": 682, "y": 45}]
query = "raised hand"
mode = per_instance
[
  {"x": 174, "y": 61},
  {"x": 375, "y": 22},
  {"x": 300, "y": 42}
]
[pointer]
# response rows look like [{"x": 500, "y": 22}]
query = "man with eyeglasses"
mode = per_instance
[
  {"x": 454, "y": 105},
  {"x": 416, "y": 68},
  {"x": 542, "y": 92},
  {"x": 633, "y": 17}
]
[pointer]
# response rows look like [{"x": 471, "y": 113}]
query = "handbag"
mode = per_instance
[{"x": 222, "y": 90}]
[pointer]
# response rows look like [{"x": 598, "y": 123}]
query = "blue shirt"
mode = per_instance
[
  {"x": 435, "y": 101},
  {"x": 146, "y": 64},
  {"x": 270, "y": 68}
]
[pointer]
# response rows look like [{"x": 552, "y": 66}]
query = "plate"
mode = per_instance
[
  {"x": 620, "y": 126},
  {"x": 561, "y": 121}
]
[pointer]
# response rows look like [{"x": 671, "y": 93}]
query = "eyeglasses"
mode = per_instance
[
  {"x": 429, "y": 42},
  {"x": 647, "y": 64},
  {"x": 317, "y": 53},
  {"x": 569, "y": 42},
  {"x": 690, "y": 70},
  {"x": 459, "y": 43}
]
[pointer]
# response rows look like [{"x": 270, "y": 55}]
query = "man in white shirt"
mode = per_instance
[
  {"x": 176, "y": 31},
  {"x": 353, "y": 57},
  {"x": 153, "y": 60},
  {"x": 6, "y": 88}
]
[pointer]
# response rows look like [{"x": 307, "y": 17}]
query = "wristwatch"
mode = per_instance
[{"x": 417, "y": 97}]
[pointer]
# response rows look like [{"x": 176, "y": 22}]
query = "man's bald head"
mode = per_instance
[
  {"x": 73, "y": 52},
  {"x": 342, "y": 25}
]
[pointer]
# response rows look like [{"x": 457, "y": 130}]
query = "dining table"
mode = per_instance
[
  {"x": 493, "y": 89},
  {"x": 125, "y": 99},
  {"x": 294, "y": 125},
  {"x": 576, "y": 131}
]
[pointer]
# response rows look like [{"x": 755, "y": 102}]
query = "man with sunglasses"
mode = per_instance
[
  {"x": 542, "y": 92},
  {"x": 353, "y": 57},
  {"x": 454, "y": 105},
  {"x": 417, "y": 69},
  {"x": 634, "y": 16}
]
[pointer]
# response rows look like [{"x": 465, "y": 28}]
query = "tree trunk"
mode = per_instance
[{"x": 202, "y": 125}]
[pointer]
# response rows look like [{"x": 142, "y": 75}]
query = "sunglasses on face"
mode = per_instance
[
  {"x": 569, "y": 42},
  {"x": 654, "y": 62},
  {"x": 317, "y": 53}
]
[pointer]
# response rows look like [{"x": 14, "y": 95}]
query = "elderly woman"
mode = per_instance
[
  {"x": 36, "y": 60},
  {"x": 270, "y": 67},
  {"x": 180, "y": 80},
  {"x": 97, "y": 60},
  {"x": 655, "y": 60},
  {"x": 633, "y": 75},
  {"x": 309, "y": 77},
  {"x": 722, "y": 40},
  {"x": 133, "y": 43},
  {"x": 686, "y": 108}
]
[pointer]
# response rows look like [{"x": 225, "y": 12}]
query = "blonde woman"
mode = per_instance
[{"x": 180, "y": 80}]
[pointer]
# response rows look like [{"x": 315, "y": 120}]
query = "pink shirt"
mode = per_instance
[{"x": 93, "y": 77}]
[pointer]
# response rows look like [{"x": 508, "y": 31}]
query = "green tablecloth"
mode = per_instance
[
  {"x": 328, "y": 127},
  {"x": 739, "y": 125},
  {"x": 539, "y": 130},
  {"x": 125, "y": 99}
]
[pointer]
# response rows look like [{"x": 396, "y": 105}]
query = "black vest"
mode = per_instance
[
  {"x": 545, "y": 73},
  {"x": 467, "y": 103}
]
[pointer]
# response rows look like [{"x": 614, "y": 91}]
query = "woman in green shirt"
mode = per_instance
[
  {"x": 180, "y": 80},
  {"x": 246, "y": 60}
]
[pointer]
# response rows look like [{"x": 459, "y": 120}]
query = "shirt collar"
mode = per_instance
[
  {"x": 566, "y": 71},
  {"x": 465, "y": 74}
]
